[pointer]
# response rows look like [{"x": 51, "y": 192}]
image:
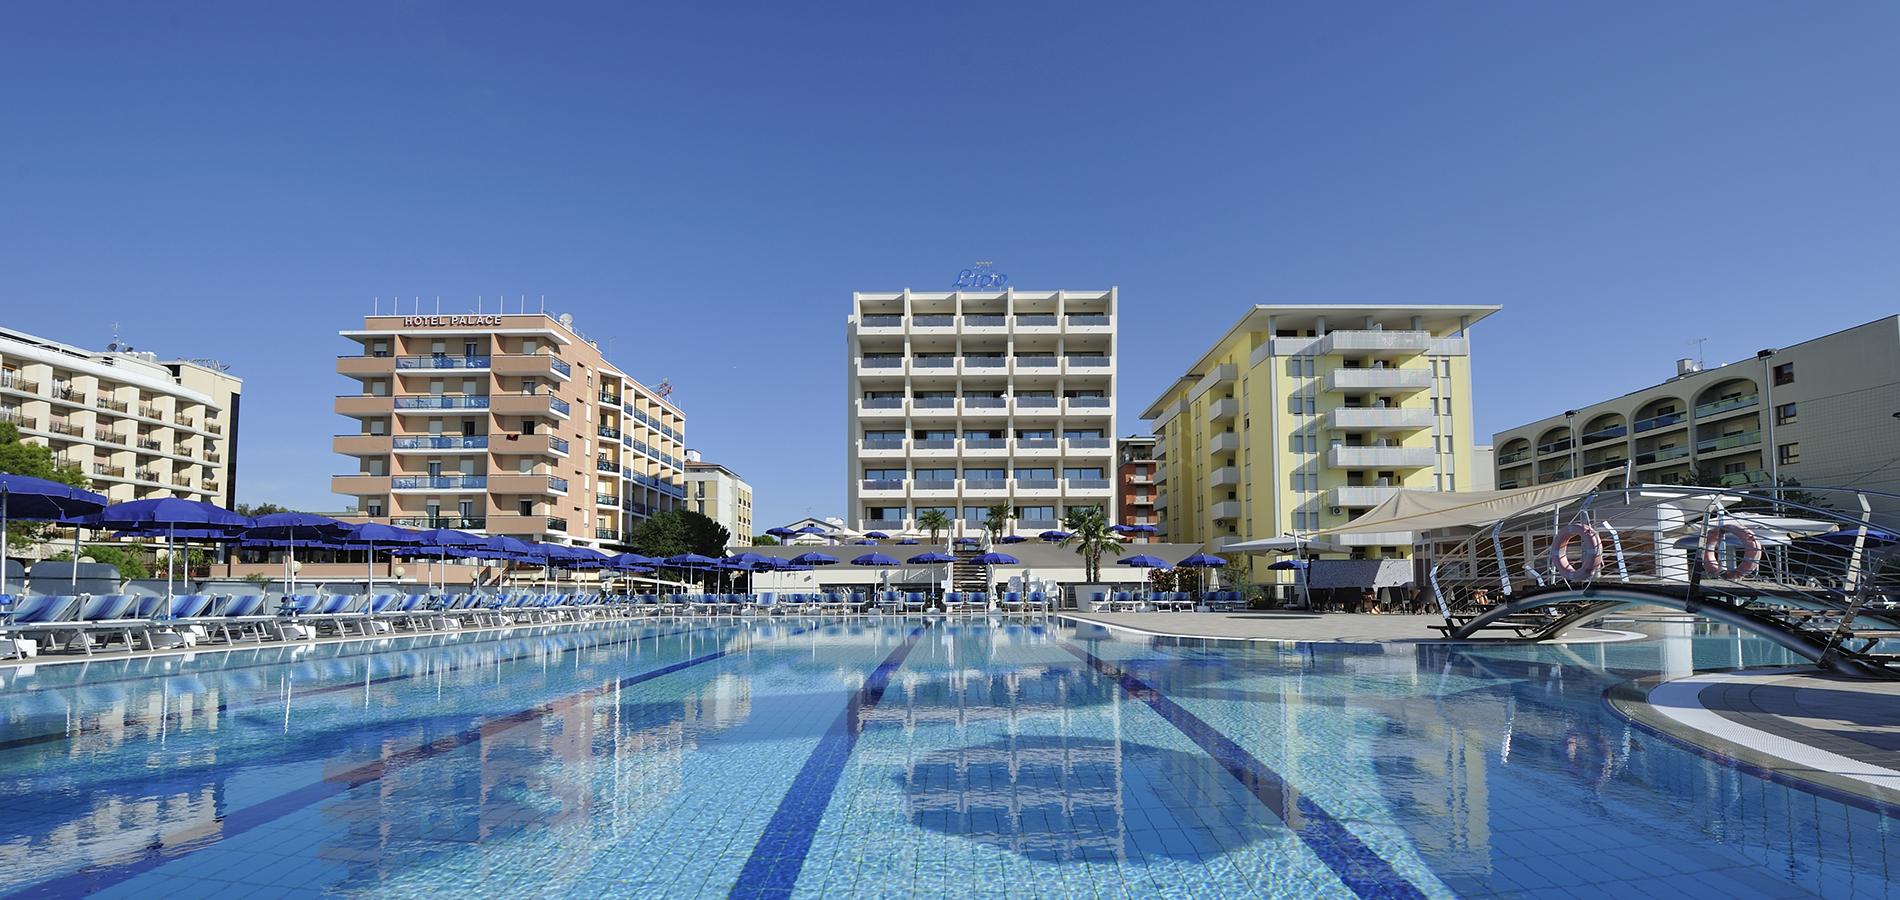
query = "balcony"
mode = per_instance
[
  {"x": 1087, "y": 361},
  {"x": 1666, "y": 420},
  {"x": 557, "y": 524},
  {"x": 1038, "y": 446},
  {"x": 1386, "y": 344},
  {"x": 557, "y": 485},
  {"x": 441, "y": 362},
  {"x": 110, "y": 405},
  {"x": 150, "y": 444},
  {"x": 985, "y": 321},
  {"x": 1604, "y": 434},
  {"x": 881, "y": 323},
  {"x": 1225, "y": 442},
  {"x": 214, "y": 428},
  {"x": 883, "y": 407},
  {"x": 443, "y": 401},
  {"x": 1726, "y": 405},
  {"x": 1087, "y": 404},
  {"x": 606, "y": 500},
  {"x": 529, "y": 525},
  {"x": 882, "y": 445},
  {"x": 1048, "y": 363},
  {"x": 933, "y": 322},
  {"x": 980, "y": 365},
  {"x": 358, "y": 484},
  {"x": 459, "y": 523},
  {"x": 933, "y": 486},
  {"x": 934, "y": 446},
  {"x": 1602, "y": 464},
  {"x": 1344, "y": 457},
  {"x": 985, "y": 485},
  {"x": 438, "y": 443},
  {"x": 1037, "y": 486},
  {"x": 1133, "y": 478},
  {"x": 1557, "y": 446},
  {"x": 1223, "y": 476},
  {"x": 1089, "y": 446},
  {"x": 439, "y": 483},
  {"x": 1224, "y": 511},
  {"x": 151, "y": 411},
  {"x": 528, "y": 365},
  {"x": 1087, "y": 485},
  {"x": 1728, "y": 442},
  {"x": 938, "y": 364},
  {"x": 607, "y": 534},
  {"x": 610, "y": 433},
  {"x": 1037, "y": 403},
  {"x": 1515, "y": 456},
  {"x": 881, "y": 486},
  {"x": 105, "y": 471},
  {"x": 517, "y": 404},
  {"x": 893, "y": 365},
  {"x": 1036, "y": 321},
  {"x": 610, "y": 399},
  {"x": 363, "y": 405},
  {"x": 985, "y": 446},
  {"x": 1379, "y": 379},
  {"x": 1356, "y": 496},
  {"x": 1379, "y": 418},
  {"x": 1087, "y": 320},
  {"x": 525, "y": 484},
  {"x": 1666, "y": 454},
  {"x": 1223, "y": 410},
  {"x": 986, "y": 403}
]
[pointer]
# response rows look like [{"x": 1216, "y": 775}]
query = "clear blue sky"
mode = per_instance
[{"x": 705, "y": 184}]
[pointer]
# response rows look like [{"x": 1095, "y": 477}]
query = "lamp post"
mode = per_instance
[{"x": 1570, "y": 422}]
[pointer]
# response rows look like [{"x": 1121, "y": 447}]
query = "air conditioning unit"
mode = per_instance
[{"x": 1335, "y": 510}]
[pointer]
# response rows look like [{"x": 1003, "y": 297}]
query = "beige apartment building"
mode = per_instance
[
  {"x": 504, "y": 424},
  {"x": 1820, "y": 412},
  {"x": 719, "y": 494},
  {"x": 138, "y": 426}
]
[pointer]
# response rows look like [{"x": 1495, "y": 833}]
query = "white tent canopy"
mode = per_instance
[
  {"x": 1415, "y": 511},
  {"x": 1285, "y": 545}
]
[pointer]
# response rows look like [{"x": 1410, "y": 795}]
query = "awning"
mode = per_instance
[{"x": 1415, "y": 511}]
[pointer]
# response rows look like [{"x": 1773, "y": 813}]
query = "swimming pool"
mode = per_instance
[{"x": 895, "y": 757}]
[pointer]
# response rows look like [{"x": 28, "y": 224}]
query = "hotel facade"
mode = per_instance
[
  {"x": 137, "y": 426},
  {"x": 1820, "y": 412},
  {"x": 1301, "y": 418},
  {"x": 963, "y": 400},
  {"x": 719, "y": 494},
  {"x": 503, "y": 424},
  {"x": 1135, "y": 483}
]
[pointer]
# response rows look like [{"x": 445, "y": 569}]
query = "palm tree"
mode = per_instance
[
  {"x": 1088, "y": 531},
  {"x": 997, "y": 521},
  {"x": 933, "y": 521}
]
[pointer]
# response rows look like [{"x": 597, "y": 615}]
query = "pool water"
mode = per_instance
[{"x": 897, "y": 757}]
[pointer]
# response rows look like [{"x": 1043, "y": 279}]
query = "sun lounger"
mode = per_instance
[{"x": 27, "y": 618}]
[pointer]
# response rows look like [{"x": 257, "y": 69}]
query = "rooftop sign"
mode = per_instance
[
  {"x": 981, "y": 277},
  {"x": 450, "y": 321}
]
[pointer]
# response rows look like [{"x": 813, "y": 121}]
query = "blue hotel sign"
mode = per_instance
[{"x": 981, "y": 277}]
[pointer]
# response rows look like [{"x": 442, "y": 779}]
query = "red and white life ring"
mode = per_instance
[
  {"x": 1591, "y": 559},
  {"x": 1746, "y": 562}
]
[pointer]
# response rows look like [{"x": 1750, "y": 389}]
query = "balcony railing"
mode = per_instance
[
  {"x": 609, "y": 399},
  {"x": 1654, "y": 422},
  {"x": 1087, "y": 483},
  {"x": 1604, "y": 434},
  {"x": 108, "y": 471},
  {"x": 985, "y": 362},
  {"x": 1037, "y": 444},
  {"x": 459, "y": 523},
  {"x": 1554, "y": 446},
  {"x": 1036, "y": 362},
  {"x": 934, "y": 321},
  {"x": 449, "y": 401},
  {"x": 883, "y": 443},
  {"x": 934, "y": 362},
  {"x": 1037, "y": 484},
  {"x": 557, "y": 485},
  {"x": 935, "y": 402},
  {"x": 1602, "y": 464},
  {"x": 1037, "y": 402},
  {"x": 437, "y": 482},
  {"x": 882, "y": 322},
  {"x": 188, "y": 423},
  {"x": 881, "y": 484},
  {"x": 1089, "y": 402},
  {"x": 986, "y": 484},
  {"x": 883, "y": 362},
  {"x": 559, "y": 405},
  {"x": 985, "y": 444},
  {"x": 606, "y": 534},
  {"x": 985, "y": 402},
  {"x": 1035, "y": 320},
  {"x": 68, "y": 392},
  {"x": 107, "y": 435},
  {"x": 561, "y": 367},
  {"x": 440, "y": 442},
  {"x": 16, "y": 383},
  {"x": 442, "y": 361},
  {"x": 150, "y": 411},
  {"x": 111, "y": 405},
  {"x": 883, "y": 403},
  {"x": 1088, "y": 361},
  {"x": 608, "y": 432},
  {"x": 934, "y": 444},
  {"x": 150, "y": 475},
  {"x": 606, "y": 500},
  {"x": 214, "y": 428},
  {"x": 1378, "y": 378},
  {"x": 148, "y": 444},
  {"x": 1515, "y": 456},
  {"x": 557, "y": 524},
  {"x": 1728, "y": 442},
  {"x": 1085, "y": 443},
  {"x": 1727, "y": 404},
  {"x": 214, "y": 458},
  {"x": 1663, "y": 455},
  {"x": 985, "y": 321},
  {"x": 1087, "y": 319}
]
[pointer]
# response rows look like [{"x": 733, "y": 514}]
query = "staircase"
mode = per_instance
[{"x": 966, "y": 576}]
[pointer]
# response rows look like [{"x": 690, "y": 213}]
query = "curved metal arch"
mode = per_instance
[{"x": 1599, "y": 601}]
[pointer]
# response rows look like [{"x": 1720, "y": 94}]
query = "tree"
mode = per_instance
[
  {"x": 259, "y": 509},
  {"x": 678, "y": 531},
  {"x": 997, "y": 520},
  {"x": 1089, "y": 534},
  {"x": 19, "y": 457},
  {"x": 128, "y": 559},
  {"x": 933, "y": 521},
  {"x": 764, "y": 540}
]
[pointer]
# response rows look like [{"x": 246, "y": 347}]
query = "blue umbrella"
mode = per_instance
[
  {"x": 1202, "y": 561},
  {"x": 967, "y": 540},
  {"x": 164, "y": 512},
  {"x": 996, "y": 559},
  {"x": 39, "y": 500},
  {"x": 931, "y": 558},
  {"x": 292, "y": 529},
  {"x": 1870, "y": 537},
  {"x": 1284, "y": 564},
  {"x": 908, "y": 542},
  {"x": 1117, "y": 529},
  {"x": 368, "y": 536},
  {"x": 1138, "y": 529},
  {"x": 867, "y": 542},
  {"x": 780, "y": 532},
  {"x": 1143, "y": 562},
  {"x": 877, "y": 535},
  {"x": 814, "y": 529},
  {"x": 627, "y": 562},
  {"x": 1054, "y": 537},
  {"x": 874, "y": 559},
  {"x": 814, "y": 559},
  {"x": 1011, "y": 539},
  {"x": 689, "y": 561}
]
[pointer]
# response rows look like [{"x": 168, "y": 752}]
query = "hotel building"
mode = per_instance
[
  {"x": 719, "y": 494},
  {"x": 963, "y": 400},
  {"x": 1303, "y": 417},
  {"x": 137, "y": 426},
  {"x": 503, "y": 424},
  {"x": 1820, "y": 412},
  {"x": 1135, "y": 483}
]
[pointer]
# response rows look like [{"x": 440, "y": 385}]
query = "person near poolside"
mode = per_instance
[{"x": 1369, "y": 601}]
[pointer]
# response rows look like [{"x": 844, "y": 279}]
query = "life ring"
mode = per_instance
[
  {"x": 1591, "y": 560},
  {"x": 1745, "y": 564}
]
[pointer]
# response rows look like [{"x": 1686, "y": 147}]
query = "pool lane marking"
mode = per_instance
[
  {"x": 1358, "y": 866},
  {"x": 776, "y": 860},
  {"x": 228, "y": 707},
  {"x": 231, "y": 824}
]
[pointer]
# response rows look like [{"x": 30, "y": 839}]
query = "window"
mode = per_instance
[
  {"x": 1784, "y": 373},
  {"x": 526, "y": 507},
  {"x": 373, "y": 507},
  {"x": 1784, "y": 414},
  {"x": 1788, "y": 453}
]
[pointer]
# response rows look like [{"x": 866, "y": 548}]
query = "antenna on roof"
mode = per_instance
[
  {"x": 1699, "y": 342},
  {"x": 664, "y": 388},
  {"x": 114, "y": 346}
]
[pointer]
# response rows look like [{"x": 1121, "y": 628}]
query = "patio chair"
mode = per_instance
[{"x": 28, "y": 617}]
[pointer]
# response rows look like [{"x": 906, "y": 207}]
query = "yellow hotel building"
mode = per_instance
[{"x": 1302, "y": 417}]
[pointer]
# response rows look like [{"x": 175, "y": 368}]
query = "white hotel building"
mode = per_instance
[{"x": 962, "y": 400}]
